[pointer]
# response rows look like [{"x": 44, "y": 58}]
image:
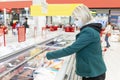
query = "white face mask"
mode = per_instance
[{"x": 78, "y": 23}]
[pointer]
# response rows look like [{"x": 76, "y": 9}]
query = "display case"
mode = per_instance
[
  {"x": 6, "y": 60},
  {"x": 31, "y": 64}
]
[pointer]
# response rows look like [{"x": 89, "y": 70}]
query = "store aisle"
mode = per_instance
[{"x": 112, "y": 58}]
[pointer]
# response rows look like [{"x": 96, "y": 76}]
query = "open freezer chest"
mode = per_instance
[
  {"x": 33, "y": 65},
  {"x": 39, "y": 68}
]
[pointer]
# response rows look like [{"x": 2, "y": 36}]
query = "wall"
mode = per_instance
[{"x": 15, "y": 4}]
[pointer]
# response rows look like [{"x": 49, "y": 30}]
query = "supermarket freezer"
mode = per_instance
[
  {"x": 7, "y": 68},
  {"x": 67, "y": 70},
  {"x": 33, "y": 62}
]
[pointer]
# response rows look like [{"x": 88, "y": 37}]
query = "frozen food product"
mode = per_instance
[
  {"x": 20, "y": 69},
  {"x": 27, "y": 54},
  {"x": 8, "y": 76},
  {"x": 2, "y": 68},
  {"x": 14, "y": 62},
  {"x": 44, "y": 74},
  {"x": 47, "y": 63},
  {"x": 33, "y": 63},
  {"x": 25, "y": 73},
  {"x": 15, "y": 72},
  {"x": 49, "y": 69},
  {"x": 51, "y": 43},
  {"x": 56, "y": 64},
  {"x": 34, "y": 51},
  {"x": 10, "y": 65},
  {"x": 61, "y": 44},
  {"x": 21, "y": 57},
  {"x": 39, "y": 57}
]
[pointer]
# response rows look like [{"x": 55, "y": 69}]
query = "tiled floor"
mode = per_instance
[{"x": 112, "y": 60}]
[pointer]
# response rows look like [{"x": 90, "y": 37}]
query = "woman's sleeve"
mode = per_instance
[{"x": 84, "y": 39}]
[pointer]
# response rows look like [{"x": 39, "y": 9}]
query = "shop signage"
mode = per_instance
[
  {"x": 53, "y": 10},
  {"x": 114, "y": 19},
  {"x": 21, "y": 34}
]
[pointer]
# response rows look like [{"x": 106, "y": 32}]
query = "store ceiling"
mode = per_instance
[
  {"x": 15, "y": 4},
  {"x": 89, "y": 3}
]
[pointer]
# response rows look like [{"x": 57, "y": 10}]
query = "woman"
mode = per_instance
[
  {"x": 108, "y": 31},
  {"x": 87, "y": 47}
]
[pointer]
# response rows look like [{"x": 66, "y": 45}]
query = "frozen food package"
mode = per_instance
[
  {"x": 10, "y": 65},
  {"x": 2, "y": 68},
  {"x": 56, "y": 64},
  {"x": 61, "y": 44},
  {"x": 34, "y": 51},
  {"x": 8, "y": 76},
  {"x": 25, "y": 74},
  {"x": 51, "y": 43},
  {"x": 21, "y": 57},
  {"x": 44, "y": 74}
]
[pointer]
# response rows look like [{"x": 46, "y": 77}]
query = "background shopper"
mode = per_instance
[
  {"x": 26, "y": 25},
  {"x": 17, "y": 24},
  {"x": 108, "y": 31},
  {"x": 14, "y": 31},
  {"x": 87, "y": 47}
]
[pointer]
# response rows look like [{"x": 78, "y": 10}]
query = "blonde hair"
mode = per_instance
[{"x": 82, "y": 12}]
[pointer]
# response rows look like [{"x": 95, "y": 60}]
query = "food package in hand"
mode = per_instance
[
  {"x": 56, "y": 64},
  {"x": 47, "y": 63}
]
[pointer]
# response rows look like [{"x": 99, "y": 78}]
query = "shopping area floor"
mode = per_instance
[{"x": 112, "y": 58}]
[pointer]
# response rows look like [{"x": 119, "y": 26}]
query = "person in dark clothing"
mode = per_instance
[
  {"x": 87, "y": 47},
  {"x": 14, "y": 28},
  {"x": 26, "y": 23}
]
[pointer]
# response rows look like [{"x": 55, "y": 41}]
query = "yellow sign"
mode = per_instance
[{"x": 53, "y": 10}]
